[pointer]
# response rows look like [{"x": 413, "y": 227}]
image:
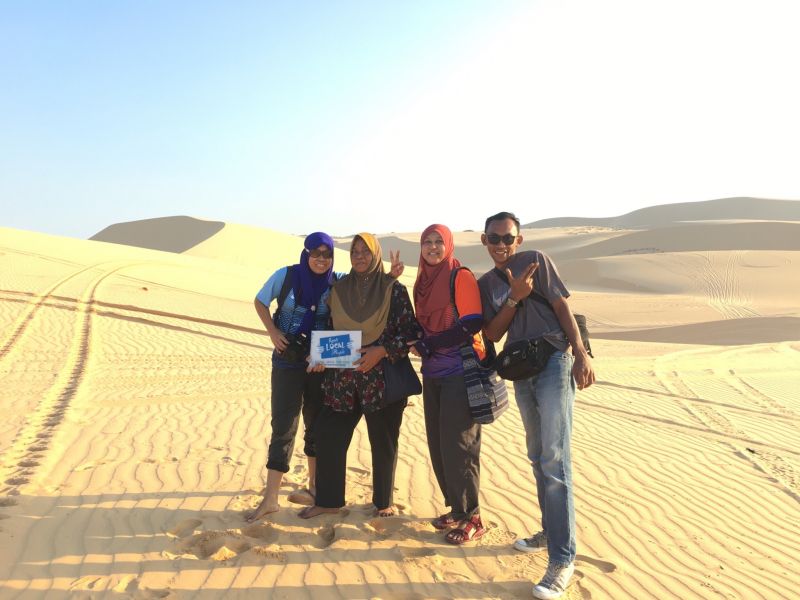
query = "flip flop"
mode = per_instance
[{"x": 469, "y": 531}]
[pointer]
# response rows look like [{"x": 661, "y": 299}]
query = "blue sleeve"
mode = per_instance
[{"x": 272, "y": 287}]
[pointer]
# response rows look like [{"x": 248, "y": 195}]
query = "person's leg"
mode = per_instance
[
  {"x": 312, "y": 404},
  {"x": 529, "y": 414},
  {"x": 431, "y": 389},
  {"x": 333, "y": 434},
  {"x": 460, "y": 448},
  {"x": 285, "y": 399},
  {"x": 383, "y": 428},
  {"x": 555, "y": 395}
]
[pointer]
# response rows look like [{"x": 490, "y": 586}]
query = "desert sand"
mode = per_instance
[{"x": 134, "y": 419}]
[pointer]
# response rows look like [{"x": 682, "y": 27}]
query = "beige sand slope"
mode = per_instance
[{"x": 134, "y": 411}]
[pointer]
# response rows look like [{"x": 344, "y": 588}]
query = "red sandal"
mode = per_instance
[
  {"x": 468, "y": 531},
  {"x": 444, "y": 522}
]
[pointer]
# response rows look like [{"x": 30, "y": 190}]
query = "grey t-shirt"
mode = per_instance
[{"x": 533, "y": 319}]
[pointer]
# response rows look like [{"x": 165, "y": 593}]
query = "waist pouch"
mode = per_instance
[{"x": 524, "y": 359}]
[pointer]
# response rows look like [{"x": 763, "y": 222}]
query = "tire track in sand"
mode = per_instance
[
  {"x": 17, "y": 329},
  {"x": 34, "y": 436},
  {"x": 721, "y": 286},
  {"x": 760, "y": 454}
]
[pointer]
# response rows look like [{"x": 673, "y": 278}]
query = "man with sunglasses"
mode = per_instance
[{"x": 524, "y": 298}]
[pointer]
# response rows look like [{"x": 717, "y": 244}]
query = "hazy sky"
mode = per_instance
[{"x": 388, "y": 116}]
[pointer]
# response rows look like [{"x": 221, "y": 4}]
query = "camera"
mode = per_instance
[{"x": 297, "y": 349}]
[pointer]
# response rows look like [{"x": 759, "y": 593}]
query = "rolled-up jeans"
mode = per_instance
[{"x": 545, "y": 405}]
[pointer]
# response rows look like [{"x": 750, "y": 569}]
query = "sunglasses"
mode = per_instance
[
  {"x": 507, "y": 239},
  {"x": 315, "y": 253}
]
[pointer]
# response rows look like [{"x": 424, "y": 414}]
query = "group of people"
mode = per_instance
[{"x": 451, "y": 311}]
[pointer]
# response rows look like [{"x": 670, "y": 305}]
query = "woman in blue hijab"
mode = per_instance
[{"x": 301, "y": 291}]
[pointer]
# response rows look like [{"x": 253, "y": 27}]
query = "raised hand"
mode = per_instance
[
  {"x": 397, "y": 264},
  {"x": 522, "y": 286}
]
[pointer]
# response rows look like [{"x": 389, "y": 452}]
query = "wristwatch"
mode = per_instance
[{"x": 511, "y": 302}]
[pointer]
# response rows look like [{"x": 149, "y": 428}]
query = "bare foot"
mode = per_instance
[
  {"x": 303, "y": 496},
  {"x": 389, "y": 511},
  {"x": 266, "y": 507},
  {"x": 313, "y": 511}
]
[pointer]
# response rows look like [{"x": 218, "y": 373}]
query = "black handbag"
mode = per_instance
[
  {"x": 400, "y": 379},
  {"x": 524, "y": 359}
]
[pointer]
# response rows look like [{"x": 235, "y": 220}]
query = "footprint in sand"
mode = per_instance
[
  {"x": 327, "y": 535},
  {"x": 494, "y": 535},
  {"x": 184, "y": 528},
  {"x": 28, "y": 463},
  {"x": 386, "y": 526},
  {"x": 415, "y": 553},
  {"x": 6, "y": 502},
  {"x": 601, "y": 565},
  {"x": 261, "y": 531},
  {"x": 211, "y": 545},
  {"x": 17, "y": 480}
]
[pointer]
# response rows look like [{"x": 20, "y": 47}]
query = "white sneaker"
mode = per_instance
[
  {"x": 555, "y": 581},
  {"x": 536, "y": 543}
]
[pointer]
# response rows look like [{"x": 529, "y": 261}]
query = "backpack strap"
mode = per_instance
[
  {"x": 453, "y": 275},
  {"x": 286, "y": 286}
]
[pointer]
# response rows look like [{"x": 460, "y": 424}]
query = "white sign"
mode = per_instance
[{"x": 335, "y": 349}]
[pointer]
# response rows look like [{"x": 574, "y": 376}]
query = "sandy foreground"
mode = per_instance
[{"x": 134, "y": 418}]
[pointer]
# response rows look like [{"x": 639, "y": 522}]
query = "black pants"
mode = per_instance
[
  {"x": 454, "y": 442},
  {"x": 293, "y": 390},
  {"x": 334, "y": 431}
]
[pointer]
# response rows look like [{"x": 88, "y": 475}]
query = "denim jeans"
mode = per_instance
[{"x": 545, "y": 405}]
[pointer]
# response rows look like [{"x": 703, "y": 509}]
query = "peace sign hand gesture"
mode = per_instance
[
  {"x": 521, "y": 286},
  {"x": 397, "y": 264}
]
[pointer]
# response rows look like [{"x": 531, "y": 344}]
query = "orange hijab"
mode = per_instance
[{"x": 432, "y": 302}]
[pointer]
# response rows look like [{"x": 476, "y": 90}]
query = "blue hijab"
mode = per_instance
[{"x": 308, "y": 287}]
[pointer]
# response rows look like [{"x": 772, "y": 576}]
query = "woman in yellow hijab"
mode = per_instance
[{"x": 369, "y": 300}]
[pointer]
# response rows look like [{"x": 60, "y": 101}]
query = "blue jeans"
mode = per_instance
[{"x": 545, "y": 405}]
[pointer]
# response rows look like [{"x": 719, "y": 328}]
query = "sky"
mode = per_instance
[{"x": 347, "y": 116}]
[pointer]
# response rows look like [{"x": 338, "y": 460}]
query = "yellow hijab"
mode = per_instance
[{"x": 361, "y": 301}]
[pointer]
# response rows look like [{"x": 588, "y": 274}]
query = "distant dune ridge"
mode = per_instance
[
  {"x": 751, "y": 209},
  {"x": 135, "y": 417}
]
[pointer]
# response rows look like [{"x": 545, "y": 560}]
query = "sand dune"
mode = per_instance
[
  {"x": 170, "y": 234},
  {"x": 134, "y": 405},
  {"x": 724, "y": 209}
]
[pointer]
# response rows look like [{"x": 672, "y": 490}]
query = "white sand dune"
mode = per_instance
[
  {"x": 723, "y": 209},
  {"x": 134, "y": 414}
]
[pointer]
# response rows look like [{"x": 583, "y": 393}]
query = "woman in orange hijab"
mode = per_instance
[{"x": 451, "y": 318}]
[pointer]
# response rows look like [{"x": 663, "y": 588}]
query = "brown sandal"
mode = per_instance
[
  {"x": 468, "y": 531},
  {"x": 444, "y": 522}
]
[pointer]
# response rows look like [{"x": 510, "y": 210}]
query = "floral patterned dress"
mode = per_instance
[{"x": 345, "y": 389}]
